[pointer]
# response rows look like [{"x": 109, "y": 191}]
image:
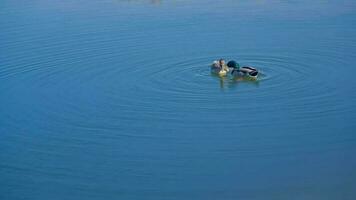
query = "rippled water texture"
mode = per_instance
[{"x": 115, "y": 100}]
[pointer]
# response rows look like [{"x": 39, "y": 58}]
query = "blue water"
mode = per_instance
[{"x": 114, "y": 99}]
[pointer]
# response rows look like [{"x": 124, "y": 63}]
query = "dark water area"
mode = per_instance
[{"x": 115, "y": 100}]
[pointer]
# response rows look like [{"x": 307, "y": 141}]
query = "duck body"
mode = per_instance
[
  {"x": 218, "y": 71},
  {"x": 215, "y": 68},
  {"x": 245, "y": 71}
]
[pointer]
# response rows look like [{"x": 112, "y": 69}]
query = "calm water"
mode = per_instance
[{"x": 114, "y": 100}]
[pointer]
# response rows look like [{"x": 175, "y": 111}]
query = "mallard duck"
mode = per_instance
[{"x": 245, "y": 71}]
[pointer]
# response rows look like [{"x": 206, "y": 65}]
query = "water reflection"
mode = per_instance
[
  {"x": 155, "y": 2},
  {"x": 233, "y": 82}
]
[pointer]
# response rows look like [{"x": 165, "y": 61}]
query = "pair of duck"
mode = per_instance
[{"x": 219, "y": 67}]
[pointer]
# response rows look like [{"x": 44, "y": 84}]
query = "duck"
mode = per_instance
[
  {"x": 218, "y": 67},
  {"x": 244, "y": 71}
]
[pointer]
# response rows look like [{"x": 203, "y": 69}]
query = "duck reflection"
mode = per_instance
[
  {"x": 155, "y": 2},
  {"x": 233, "y": 82}
]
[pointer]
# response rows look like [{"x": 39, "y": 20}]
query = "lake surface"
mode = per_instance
[{"x": 115, "y": 100}]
